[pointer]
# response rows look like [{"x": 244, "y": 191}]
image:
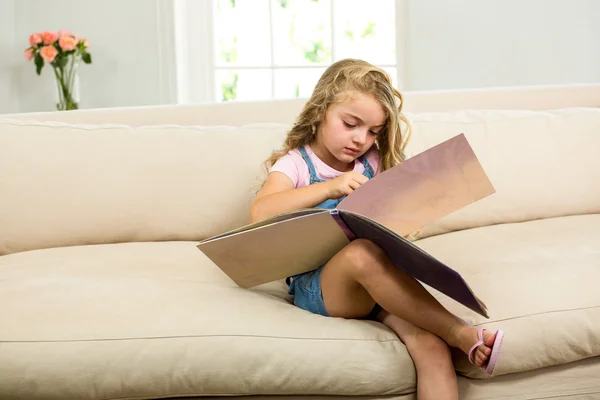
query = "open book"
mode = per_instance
[{"x": 383, "y": 210}]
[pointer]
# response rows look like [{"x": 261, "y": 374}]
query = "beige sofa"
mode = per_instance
[{"x": 104, "y": 295}]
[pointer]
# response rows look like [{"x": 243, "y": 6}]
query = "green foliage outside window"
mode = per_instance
[
  {"x": 229, "y": 89},
  {"x": 369, "y": 30},
  {"x": 317, "y": 52}
]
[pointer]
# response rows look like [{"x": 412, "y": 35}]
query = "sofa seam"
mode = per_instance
[
  {"x": 539, "y": 313},
  {"x": 195, "y": 337},
  {"x": 89, "y": 127},
  {"x": 249, "y": 396}
]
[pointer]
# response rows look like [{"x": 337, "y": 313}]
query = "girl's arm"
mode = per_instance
[{"x": 279, "y": 195}]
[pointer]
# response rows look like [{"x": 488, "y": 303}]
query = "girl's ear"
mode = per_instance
[{"x": 314, "y": 128}]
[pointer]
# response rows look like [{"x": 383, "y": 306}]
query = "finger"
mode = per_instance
[
  {"x": 357, "y": 176},
  {"x": 356, "y": 180},
  {"x": 353, "y": 184},
  {"x": 362, "y": 179}
]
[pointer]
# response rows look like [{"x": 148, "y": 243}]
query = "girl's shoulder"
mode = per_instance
[
  {"x": 293, "y": 166},
  {"x": 291, "y": 158}
]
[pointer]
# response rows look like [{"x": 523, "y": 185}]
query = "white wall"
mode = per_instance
[
  {"x": 129, "y": 42},
  {"x": 10, "y": 59},
  {"x": 449, "y": 44},
  {"x": 478, "y": 43}
]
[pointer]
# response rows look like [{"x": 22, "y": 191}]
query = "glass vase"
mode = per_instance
[{"x": 67, "y": 84}]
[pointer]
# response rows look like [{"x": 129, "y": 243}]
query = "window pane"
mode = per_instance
[
  {"x": 366, "y": 32},
  {"x": 253, "y": 84},
  {"x": 242, "y": 35},
  {"x": 393, "y": 72},
  {"x": 296, "y": 82},
  {"x": 301, "y": 31}
]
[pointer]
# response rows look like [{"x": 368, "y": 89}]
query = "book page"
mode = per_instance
[
  {"x": 422, "y": 189},
  {"x": 278, "y": 250},
  {"x": 267, "y": 221}
]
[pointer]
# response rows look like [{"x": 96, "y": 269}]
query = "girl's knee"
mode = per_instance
[{"x": 365, "y": 258}]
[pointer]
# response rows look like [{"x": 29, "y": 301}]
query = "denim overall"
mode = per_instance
[{"x": 306, "y": 287}]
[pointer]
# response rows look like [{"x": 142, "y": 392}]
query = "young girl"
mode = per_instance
[{"x": 349, "y": 131}]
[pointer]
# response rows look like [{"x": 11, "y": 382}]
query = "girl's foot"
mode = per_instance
[{"x": 466, "y": 336}]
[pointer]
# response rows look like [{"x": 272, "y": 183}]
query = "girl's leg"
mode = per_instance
[
  {"x": 362, "y": 274},
  {"x": 436, "y": 378}
]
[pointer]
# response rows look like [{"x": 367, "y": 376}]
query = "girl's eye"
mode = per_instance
[
  {"x": 349, "y": 125},
  {"x": 373, "y": 133}
]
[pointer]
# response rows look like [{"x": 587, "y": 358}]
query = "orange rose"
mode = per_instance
[
  {"x": 28, "y": 54},
  {"x": 49, "y": 37},
  {"x": 48, "y": 53},
  {"x": 35, "y": 39},
  {"x": 67, "y": 43}
]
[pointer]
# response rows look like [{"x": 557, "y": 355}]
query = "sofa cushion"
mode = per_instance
[
  {"x": 542, "y": 163},
  {"x": 63, "y": 185},
  {"x": 539, "y": 280},
  {"x": 114, "y": 183},
  {"x": 151, "y": 320}
]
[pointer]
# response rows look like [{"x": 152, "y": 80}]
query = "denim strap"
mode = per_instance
[
  {"x": 311, "y": 167},
  {"x": 368, "y": 172}
]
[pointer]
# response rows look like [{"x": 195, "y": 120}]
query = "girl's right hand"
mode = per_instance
[{"x": 345, "y": 184}]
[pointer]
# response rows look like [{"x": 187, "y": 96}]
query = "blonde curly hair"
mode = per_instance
[{"x": 340, "y": 78}]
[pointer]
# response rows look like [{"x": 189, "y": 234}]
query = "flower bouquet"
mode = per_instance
[{"x": 63, "y": 51}]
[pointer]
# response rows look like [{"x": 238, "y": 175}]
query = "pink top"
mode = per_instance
[{"x": 293, "y": 165}]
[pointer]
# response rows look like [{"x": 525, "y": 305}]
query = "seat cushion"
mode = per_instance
[
  {"x": 149, "y": 320},
  {"x": 539, "y": 280},
  {"x": 159, "y": 319}
]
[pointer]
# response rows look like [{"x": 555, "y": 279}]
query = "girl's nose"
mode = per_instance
[{"x": 360, "y": 136}]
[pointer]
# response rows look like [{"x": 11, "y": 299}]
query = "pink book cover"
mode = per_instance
[{"x": 422, "y": 189}]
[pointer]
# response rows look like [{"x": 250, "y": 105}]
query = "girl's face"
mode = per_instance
[{"x": 348, "y": 130}]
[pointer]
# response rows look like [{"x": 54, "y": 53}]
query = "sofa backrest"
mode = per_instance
[
  {"x": 63, "y": 185},
  {"x": 542, "y": 163}
]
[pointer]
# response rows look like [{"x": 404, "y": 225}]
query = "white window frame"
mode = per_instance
[{"x": 196, "y": 61}]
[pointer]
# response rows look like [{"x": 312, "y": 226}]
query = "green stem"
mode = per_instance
[
  {"x": 65, "y": 89},
  {"x": 72, "y": 73},
  {"x": 60, "y": 86}
]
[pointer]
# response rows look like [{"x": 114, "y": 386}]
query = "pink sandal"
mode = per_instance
[{"x": 489, "y": 368}]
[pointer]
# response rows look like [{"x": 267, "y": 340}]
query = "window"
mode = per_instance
[{"x": 267, "y": 49}]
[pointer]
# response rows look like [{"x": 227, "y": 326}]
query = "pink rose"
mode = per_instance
[
  {"x": 86, "y": 43},
  {"x": 49, "y": 37},
  {"x": 48, "y": 53},
  {"x": 67, "y": 43},
  {"x": 28, "y": 54},
  {"x": 35, "y": 39},
  {"x": 64, "y": 32}
]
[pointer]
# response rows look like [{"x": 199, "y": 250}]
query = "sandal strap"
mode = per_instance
[{"x": 476, "y": 345}]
